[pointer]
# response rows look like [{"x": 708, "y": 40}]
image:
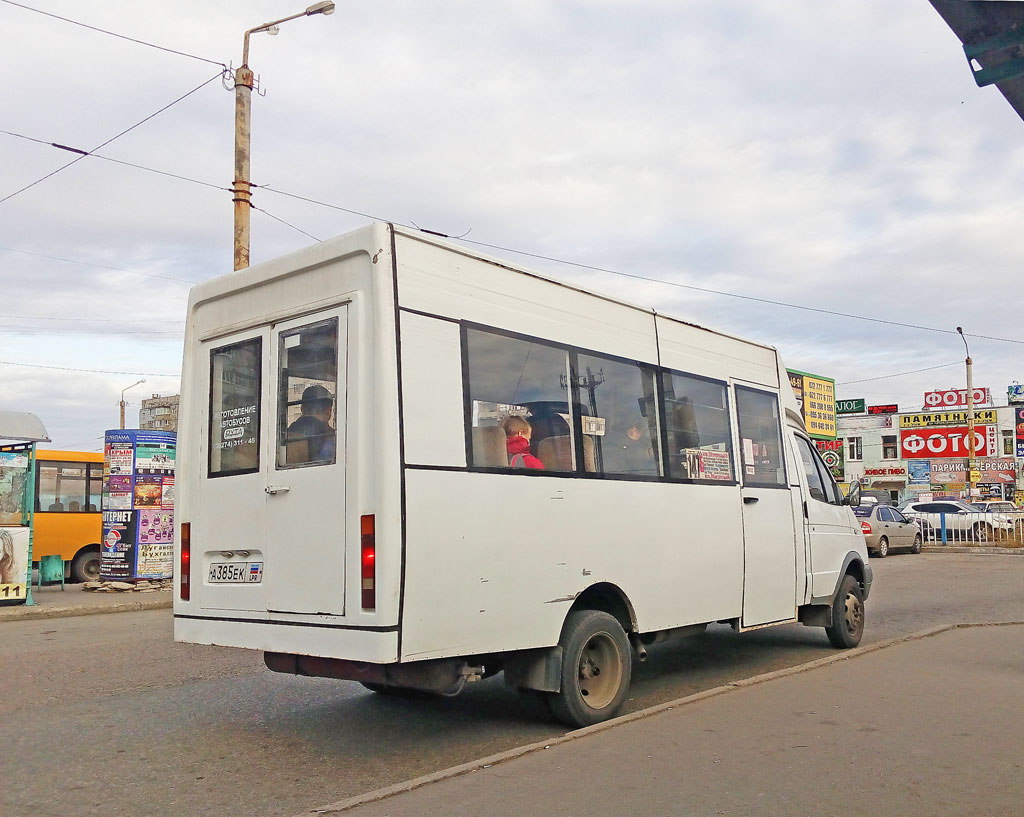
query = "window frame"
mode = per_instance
[
  {"x": 732, "y": 430},
  {"x": 859, "y": 449},
  {"x": 258, "y": 339},
  {"x": 783, "y": 466}
]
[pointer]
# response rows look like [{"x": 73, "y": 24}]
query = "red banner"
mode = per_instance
[{"x": 925, "y": 443}]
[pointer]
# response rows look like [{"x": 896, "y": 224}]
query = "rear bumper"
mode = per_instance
[{"x": 377, "y": 645}]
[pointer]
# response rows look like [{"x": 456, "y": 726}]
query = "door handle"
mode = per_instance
[
  {"x": 277, "y": 489},
  {"x": 749, "y": 500}
]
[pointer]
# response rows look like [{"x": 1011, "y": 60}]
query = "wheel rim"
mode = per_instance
[
  {"x": 91, "y": 569},
  {"x": 599, "y": 674},
  {"x": 883, "y": 547},
  {"x": 853, "y": 614}
]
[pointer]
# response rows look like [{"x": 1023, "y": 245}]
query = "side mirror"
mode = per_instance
[{"x": 853, "y": 498}]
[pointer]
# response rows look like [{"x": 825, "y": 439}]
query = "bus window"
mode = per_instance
[
  {"x": 307, "y": 386},
  {"x": 697, "y": 428},
  {"x": 528, "y": 378},
  {"x": 760, "y": 440},
  {"x": 62, "y": 487},
  {"x": 235, "y": 408},
  {"x": 620, "y": 423}
]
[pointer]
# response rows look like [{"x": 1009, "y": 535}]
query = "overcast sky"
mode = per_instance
[{"x": 836, "y": 156}]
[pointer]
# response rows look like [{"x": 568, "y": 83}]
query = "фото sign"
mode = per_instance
[
  {"x": 946, "y": 418},
  {"x": 856, "y": 406},
  {"x": 816, "y": 396},
  {"x": 946, "y": 442},
  {"x": 955, "y": 398}
]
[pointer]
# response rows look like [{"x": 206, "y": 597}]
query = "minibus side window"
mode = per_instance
[
  {"x": 519, "y": 377},
  {"x": 760, "y": 438},
  {"x": 810, "y": 468},
  {"x": 620, "y": 421},
  {"x": 235, "y": 408},
  {"x": 699, "y": 437}
]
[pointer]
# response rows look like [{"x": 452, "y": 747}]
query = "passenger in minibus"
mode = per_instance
[
  {"x": 313, "y": 428},
  {"x": 517, "y": 443}
]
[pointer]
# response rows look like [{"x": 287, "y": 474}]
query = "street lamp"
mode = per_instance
[
  {"x": 132, "y": 386},
  {"x": 970, "y": 416},
  {"x": 242, "y": 188}
]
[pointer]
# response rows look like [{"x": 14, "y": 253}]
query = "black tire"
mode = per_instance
[
  {"x": 982, "y": 532},
  {"x": 916, "y": 547},
  {"x": 847, "y": 615},
  {"x": 596, "y": 667},
  {"x": 883, "y": 548},
  {"x": 85, "y": 567}
]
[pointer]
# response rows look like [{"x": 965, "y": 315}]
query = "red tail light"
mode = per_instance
[
  {"x": 367, "y": 561},
  {"x": 865, "y": 528},
  {"x": 186, "y": 555}
]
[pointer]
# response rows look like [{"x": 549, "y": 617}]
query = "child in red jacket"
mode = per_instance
[{"x": 517, "y": 443}]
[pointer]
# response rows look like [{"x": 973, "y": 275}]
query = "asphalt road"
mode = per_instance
[{"x": 105, "y": 714}]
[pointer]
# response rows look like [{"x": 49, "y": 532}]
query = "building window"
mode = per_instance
[
  {"x": 854, "y": 449},
  {"x": 889, "y": 447}
]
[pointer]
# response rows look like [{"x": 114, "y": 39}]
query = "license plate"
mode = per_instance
[{"x": 235, "y": 572}]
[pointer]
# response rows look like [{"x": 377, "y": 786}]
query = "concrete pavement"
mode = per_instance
[
  {"x": 927, "y": 725},
  {"x": 52, "y": 602}
]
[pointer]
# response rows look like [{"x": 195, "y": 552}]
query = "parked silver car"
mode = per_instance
[
  {"x": 961, "y": 520},
  {"x": 884, "y": 527},
  {"x": 1001, "y": 507}
]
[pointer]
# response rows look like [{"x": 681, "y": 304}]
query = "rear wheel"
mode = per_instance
[
  {"x": 86, "y": 566},
  {"x": 916, "y": 547},
  {"x": 847, "y": 615},
  {"x": 883, "y": 548},
  {"x": 982, "y": 532},
  {"x": 596, "y": 668}
]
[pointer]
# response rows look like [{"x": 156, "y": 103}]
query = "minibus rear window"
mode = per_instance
[{"x": 235, "y": 408}]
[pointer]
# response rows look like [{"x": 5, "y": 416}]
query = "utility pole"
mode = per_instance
[
  {"x": 970, "y": 417},
  {"x": 241, "y": 189}
]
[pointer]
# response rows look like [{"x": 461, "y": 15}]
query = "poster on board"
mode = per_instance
[{"x": 138, "y": 505}]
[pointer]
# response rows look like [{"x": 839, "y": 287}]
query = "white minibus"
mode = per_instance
[{"x": 413, "y": 466}]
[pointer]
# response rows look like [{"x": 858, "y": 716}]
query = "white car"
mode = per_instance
[{"x": 960, "y": 519}]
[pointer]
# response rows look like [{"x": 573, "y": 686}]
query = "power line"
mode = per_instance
[
  {"x": 553, "y": 259},
  {"x": 91, "y": 264},
  {"x": 89, "y": 320},
  {"x": 285, "y": 223},
  {"x": 114, "y": 34},
  {"x": 84, "y": 153},
  {"x": 900, "y": 374},
  {"x": 93, "y": 371}
]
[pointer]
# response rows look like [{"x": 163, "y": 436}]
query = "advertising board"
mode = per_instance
[
  {"x": 955, "y": 398},
  {"x": 816, "y": 396},
  {"x": 832, "y": 455},
  {"x": 946, "y": 418},
  {"x": 1019, "y": 425},
  {"x": 889, "y": 408},
  {"x": 946, "y": 442},
  {"x": 854, "y": 406}
]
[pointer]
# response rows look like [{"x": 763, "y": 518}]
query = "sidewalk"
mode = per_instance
[
  {"x": 926, "y": 725},
  {"x": 52, "y": 602}
]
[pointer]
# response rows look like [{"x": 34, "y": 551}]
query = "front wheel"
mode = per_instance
[
  {"x": 847, "y": 625},
  {"x": 596, "y": 668},
  {"x": 883, "y": 548},
  {"x": 916, "y": 547},
  {"x": 982, "y": 532}
]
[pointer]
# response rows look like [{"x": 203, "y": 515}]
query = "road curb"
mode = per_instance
[
  {"x": 512, "y": 754},
  {"x": 23, "y": 613},
  {"x": 983, "y": 551}
]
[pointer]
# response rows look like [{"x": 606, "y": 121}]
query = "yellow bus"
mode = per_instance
[{"x": 68, "y": 522}]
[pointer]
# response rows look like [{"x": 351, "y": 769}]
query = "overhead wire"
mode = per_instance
[
  {"x": 94, "y": 371},
  {"x": 84, "y": 153},
  {"x": 114, "y": 34},
  {"x": 100, "y": 266}
]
